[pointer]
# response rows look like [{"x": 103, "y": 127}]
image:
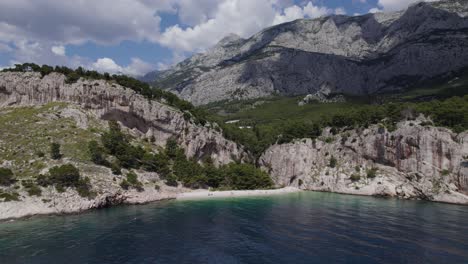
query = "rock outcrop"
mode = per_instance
[
  {"x": 358, "y": 55},
  {"x": 324, "y": 95},
  {"x": 413, "y": 162},
  {"x": 110, "y": 101}
]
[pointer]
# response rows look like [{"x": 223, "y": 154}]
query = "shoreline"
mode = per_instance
[
  {"x": 196, "y": 194},
  {"x": 206, "y": 194}
]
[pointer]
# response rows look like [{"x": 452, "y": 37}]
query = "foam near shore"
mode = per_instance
[{"x": 205, "y": 194}]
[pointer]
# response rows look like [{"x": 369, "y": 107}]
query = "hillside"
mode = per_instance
[
  {"x": 362, "y": 55},
  {"x": 71, "y": 144}
]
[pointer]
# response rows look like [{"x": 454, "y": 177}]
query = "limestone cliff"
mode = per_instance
[
  {"x": 110, "y": 101},
  {"x": 413, "y": 162},
  {"x": 359, "y": 55}
]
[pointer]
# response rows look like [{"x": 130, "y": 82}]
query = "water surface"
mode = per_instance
[{"x": 303, "y": 227}]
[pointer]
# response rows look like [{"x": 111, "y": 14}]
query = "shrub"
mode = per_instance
[
  {"x": 355, "y": 177},
  {"x": 171, "y": 180},
  {"x": 125, "y": 185},
  {"x": 96, "y": 153},
  {"x": 132, "y": 181},
  {"x": 64, "y": 176},
  {"x": 445, "y": 172},
  {"x": 333, "y": 162},
  {"x": 115, "y": 168},
  {"x": 34, "y": 190},
  {"x": 42, "y": 180},
  {"x": 8, "y": 197},
  {"x": 372, "y": 173},
  {"x": 6, "y": 177},
  {"x": 55, "y": 151},
  {"x": 83, "y": 187}
]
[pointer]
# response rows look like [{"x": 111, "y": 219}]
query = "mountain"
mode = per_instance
[{"x": 358, "y": 55}]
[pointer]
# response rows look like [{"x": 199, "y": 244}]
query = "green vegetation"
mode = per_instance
[
  {"x": 66, "y": 176},
  {"x": 232, "y": 176},
  {"x": 333, "y": 162},
  {"x": 55, "y": 151},
  {"x": 355, "y": 177},
  {"x": 96, "y": 153},
  {"x": 445, "y": 172},
  {"x": 172, "y": 165},
  {"x": 281, "y": 120},
  {"x": 27, "y": 133},
  {"x": 132, "y": 181},
  {"x": 8, "y": 197},
  {"x": 6, "y": 177},
  {"x": 372, "y": 173},
  {"x": 32, "y": 188}
]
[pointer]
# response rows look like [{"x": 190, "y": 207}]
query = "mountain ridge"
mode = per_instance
[{"x": 358, "y": 55}]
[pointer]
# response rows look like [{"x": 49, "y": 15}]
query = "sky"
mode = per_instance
[{"x": 137, "y": 36}]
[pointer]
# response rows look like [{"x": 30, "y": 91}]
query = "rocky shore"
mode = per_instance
[{"x": 415, "y": 161}]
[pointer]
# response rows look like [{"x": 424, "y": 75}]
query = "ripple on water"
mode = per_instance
[{"x": 295, "y": 228}]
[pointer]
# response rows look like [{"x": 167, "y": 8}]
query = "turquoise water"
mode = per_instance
[{"x": 295, "y": 228}]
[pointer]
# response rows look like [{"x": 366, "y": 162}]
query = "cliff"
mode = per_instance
[
  {"x": 367, "y": 54},
  {"x": 110, "y": 101},
  {"x": 412, "y": 162}
]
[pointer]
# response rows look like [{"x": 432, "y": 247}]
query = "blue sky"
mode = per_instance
[{"x": 136, "y": 36}]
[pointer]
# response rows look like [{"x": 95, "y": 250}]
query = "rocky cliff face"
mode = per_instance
[
  {"x": 413, "y": 162},
  {"x": 110, "y": 101},
  {"x": 357, "y": 55}
]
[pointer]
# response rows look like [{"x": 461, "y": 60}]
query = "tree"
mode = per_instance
[
  {"x": 96, "y": 153},
  {"x": 156, "y": 163},
  {"x": 246, "y": 177},
  {"x": 6, "y": 177},
  {"x": 55, "y": 151},
  {"x": 114, "y": 138},
  {"x": 171, "y": 148},
  {"x": 45, "y": 69}
]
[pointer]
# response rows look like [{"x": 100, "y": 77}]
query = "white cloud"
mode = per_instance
[
  {"x": 340, "y": 11},
  {"x": 58, "y": 50},
  {"x": 242, "y": 17},
  {"x": 296, "y": 12},
  {"x": 137, "y": 67},
  {"x": 375, "y": 10},
  {"x": 38, "y": 31},
  {"x": 393, "y": 5},
  {"x": 312, "y": 11},
  {"x": 106, "y": 65}
]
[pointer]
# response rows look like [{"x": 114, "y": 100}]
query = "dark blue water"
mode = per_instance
[{"x": 295, "y": 228}]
